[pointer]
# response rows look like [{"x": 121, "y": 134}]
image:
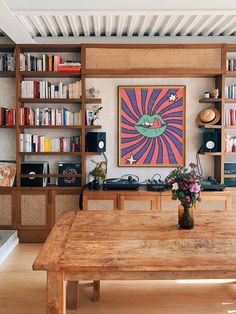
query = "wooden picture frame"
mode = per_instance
[{"x": 151, "y": 125}]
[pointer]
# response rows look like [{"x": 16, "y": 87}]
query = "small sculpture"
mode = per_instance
[
  {"x": 100, "y": 171},
  {"x": 93, "y": 92}
]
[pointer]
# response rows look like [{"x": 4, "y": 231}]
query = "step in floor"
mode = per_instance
[{"x": 8, "y": 241}]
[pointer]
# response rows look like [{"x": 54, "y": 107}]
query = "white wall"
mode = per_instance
[{"x": 195, "y": 87}]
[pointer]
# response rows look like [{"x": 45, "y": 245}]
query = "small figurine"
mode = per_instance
[
  {"x": 215, "y": 93},
  {"x": 93, "y": 92}
]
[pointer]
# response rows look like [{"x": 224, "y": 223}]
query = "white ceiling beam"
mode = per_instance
[
  {"x": 39, "y": 25},
  {"x": 28, "y": 25},
  {"x": 132, "y": 25},
  {"x": 97, "y": 25},
  {"x": 120, "y": 25},
  {"x": 62, "y": 25},
  {"x": 85, "y": 25},
  {"x": 144, "y": 25},
  {"x": 224, "y": 26},
  {"x": 214, "y": 25},
  {"x": 108, "y": 25},
  {"x": 12, "y": 27},
  {"x": 180, "y": 24},
  {"x": 73, "y": 25},
  {"x": 170, "y": 21},
  {"x": 155, "y": 25},
  {"x": 48, "y": 20},
  {"x": 191, "y": 25},
  {"x": 203, "y": 25},
  {"x": 230, "y": 30}
]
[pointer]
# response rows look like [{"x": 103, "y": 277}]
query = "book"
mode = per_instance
[{"x": 69, "y": 167}]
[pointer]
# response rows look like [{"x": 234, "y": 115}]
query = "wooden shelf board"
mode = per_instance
[
  {"x": 229, "y": 175},
  {"x": 93, "y": 126},
  {"x": 50, "y": 127},
  {"x": 230, "y": 127},
  {"x": 50, "y": 100},
  {"x": 7, "y": 126},
  {"x": 93, "y": 100},
  {"x": 212, "y": 154},
  {"x": 51, "y": 187},
  {"x": 210, "y": 126},
  {"x": 230, "y": 100},
  {"x": 51, "y": 175},
  {"x": 51, "y": 153},
  {"x": 7, "y": 73},
  {"x": 230, "y": 74},
  {"x": 49, "y": 74},
  {"x": 161, "y": 72},
  {"x": 229, "y": 153},
  {"x": 47, "y": 48},
  {"x": 210, "y": 100},
  {"x": 92, "y": 153}
]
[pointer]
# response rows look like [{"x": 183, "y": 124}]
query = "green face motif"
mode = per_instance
[{"x": 151, "y": 126}]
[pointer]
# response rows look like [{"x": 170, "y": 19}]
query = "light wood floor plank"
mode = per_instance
[{"x": 23, "y": 291}]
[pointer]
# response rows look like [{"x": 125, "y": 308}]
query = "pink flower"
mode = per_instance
[
  {"x": 194, "y": 188},
  {"x": 193, "y": 165}
]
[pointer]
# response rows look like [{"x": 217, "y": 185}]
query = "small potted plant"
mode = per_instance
[{"x": 186, "y": 187}]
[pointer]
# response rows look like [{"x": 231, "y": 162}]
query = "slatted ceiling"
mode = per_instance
[{"x": 100, "y": 24}]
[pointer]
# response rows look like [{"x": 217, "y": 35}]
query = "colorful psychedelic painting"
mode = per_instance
[{"x": 151, "y": 126}]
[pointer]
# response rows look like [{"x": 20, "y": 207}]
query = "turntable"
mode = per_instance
[{"x": 121, "y": 184}]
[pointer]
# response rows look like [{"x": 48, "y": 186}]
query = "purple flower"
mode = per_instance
[{"x": 194, "y": 188}]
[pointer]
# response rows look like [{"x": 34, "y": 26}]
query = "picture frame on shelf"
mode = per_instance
[
  {"x": 89, "y": 116},
  {"x": 7, "y": 173},
  {"x": 151, "y": 126}
]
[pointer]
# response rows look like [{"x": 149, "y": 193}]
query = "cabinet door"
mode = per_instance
[
  {"x": 65, "y": 201},
  {"x": 6, "y": 210},
  {"x": 136, "y": 202},
  {"x": 34, "y": 210},
  {"x": 100, "y": 201}
]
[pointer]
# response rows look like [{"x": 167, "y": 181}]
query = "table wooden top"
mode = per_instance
[{"x": 136, "y": 241}]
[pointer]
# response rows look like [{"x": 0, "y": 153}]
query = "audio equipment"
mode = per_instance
[
  {"x": 121, "y": 184},
  {"x": 96, "y": 142},
  {"x": 211, "y": 142},
  {"x": 212, "y": 185}
]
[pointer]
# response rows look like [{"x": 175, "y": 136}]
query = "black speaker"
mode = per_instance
[
  {"x": 96, "y": 142},
  {"x": 211, "y": 142}
]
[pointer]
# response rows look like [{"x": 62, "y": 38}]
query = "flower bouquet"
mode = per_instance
[{"x": 186, "y": 187}]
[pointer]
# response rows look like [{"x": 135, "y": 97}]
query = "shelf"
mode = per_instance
[
  {"x": 93, "y": 100},
  {"x": 50, "y": 127},
  {"x": 92, "y": 153},
  {"x": 229, "y": 153},
  {"x": 50, "y": 100},
  {"x": 229, "y": 175},
  {"x": 211, "y": 154},
  {"x": 49, "y": 74},
  {"x": 7, "y": 73},
  {"x": 210, "y": 100},
  {"x": 230, "y": 74},
  {"x": 51, "y": 175},
  {"x": 7, "y": 126},
  {"x": 51, "y": 153},
  {"x": 210, "y": 126},
  {"x": 230, "y": 100},
  {"x": 230, "y": 127},
  {"x": 51, "y": 187},
  {"x": 93, "y": 126}
]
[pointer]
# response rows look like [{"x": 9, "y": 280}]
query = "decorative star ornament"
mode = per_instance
[
  {"x": 131, "y": 159},
  {"x": 172, "y": 97}
]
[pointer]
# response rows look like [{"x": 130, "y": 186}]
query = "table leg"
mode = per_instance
[
  {"x": 55, "y": 293},
  {"x": 72, "y": 301},
  {"x": 96, "y": 290}
]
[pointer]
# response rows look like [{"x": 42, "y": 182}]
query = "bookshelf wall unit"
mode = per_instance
[{"x": 98, "y": 61}]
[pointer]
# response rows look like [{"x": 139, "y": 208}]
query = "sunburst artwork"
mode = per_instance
[{"x": 151, "y": 125}]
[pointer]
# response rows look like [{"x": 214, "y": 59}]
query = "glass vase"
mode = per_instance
[{"x": 185, "y": 217}]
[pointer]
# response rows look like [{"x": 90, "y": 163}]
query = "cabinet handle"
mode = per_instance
[{"x": 49, "y": 197}]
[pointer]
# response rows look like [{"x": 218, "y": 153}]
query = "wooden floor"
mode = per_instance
[{"x": 22, "y": 291}]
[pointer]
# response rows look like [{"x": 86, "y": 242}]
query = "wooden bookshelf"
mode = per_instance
[
  {"x": 51, "y": 127},
  {"x": 210, "y": 126},
  {"x": 21, "y": 195}
]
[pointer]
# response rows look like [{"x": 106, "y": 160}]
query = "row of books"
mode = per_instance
[
  {"x": 230, "y": 143},
  {"x": 230, "y": 91},
  {"x": 7, "y": 116},
  {"x": 230, "y": 117},
  {"x": 7, "y": 62},
  {"x": 45, "y": 89},
  {"x": 49, "y": 117},
  {"x": 39, "y": 143},
  {"x": 231, "y": 65},
  {"x": 28, "y": 62}
]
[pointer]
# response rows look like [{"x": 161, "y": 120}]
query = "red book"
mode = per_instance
[
  {"x": 232, "y": 116},
  {"x": 69, "y": 69}
]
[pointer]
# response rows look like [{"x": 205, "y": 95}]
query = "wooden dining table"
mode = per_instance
[{"x": 123, "y": 245}]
